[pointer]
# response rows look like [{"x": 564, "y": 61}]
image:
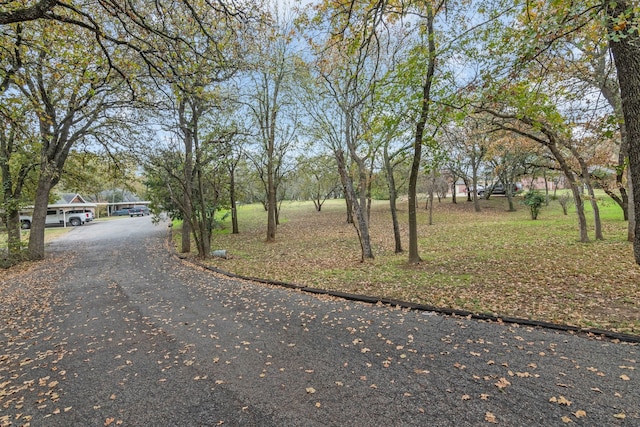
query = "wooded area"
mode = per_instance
[{"x": 211, "y": 103}]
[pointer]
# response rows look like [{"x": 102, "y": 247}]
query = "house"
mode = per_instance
[{"x": 70, "y": 209}]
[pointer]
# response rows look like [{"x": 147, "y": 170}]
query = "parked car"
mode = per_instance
[
  {"x": 120, "y": 212},
  {"x": 480, "y": 188},
  {"x": 55, "y": 217},
  {"x": 86, "y": 214},
  {"x": 498, "y": 188},
  {"x": 139, "y": 211}
]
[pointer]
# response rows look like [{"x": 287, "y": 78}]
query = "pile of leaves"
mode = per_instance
[{"x": 494, "y": 262}]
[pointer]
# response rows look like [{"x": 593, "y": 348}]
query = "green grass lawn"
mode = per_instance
[
  {"x": 495, "y": 261},
  {"x": 50, "y": 233}
]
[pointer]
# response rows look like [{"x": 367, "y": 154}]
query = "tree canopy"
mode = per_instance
[{"x": 499, "y": 86}]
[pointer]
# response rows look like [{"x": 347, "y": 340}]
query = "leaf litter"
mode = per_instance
[{"x": 528, "y": 270}]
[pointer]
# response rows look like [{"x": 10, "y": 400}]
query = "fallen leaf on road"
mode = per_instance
[
  {"x": 561, "y": 400},
  {"x": 489, "y": 417},
  {"x": 502, "y": 383},
  {"x": 580, "y": 414}
]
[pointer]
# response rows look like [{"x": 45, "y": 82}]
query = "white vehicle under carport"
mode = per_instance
[{"x": 56, "y": 217}]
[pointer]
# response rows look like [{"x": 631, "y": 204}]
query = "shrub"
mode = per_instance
[
  {"x": 565, "y": 200},
  {"x": 535, "y": 200},
  {"x": 9, "y": 260}
]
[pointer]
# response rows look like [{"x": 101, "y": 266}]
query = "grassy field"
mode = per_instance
[
  {"x": 50, "y": 233},
  {"x": 495, "y": 262}
]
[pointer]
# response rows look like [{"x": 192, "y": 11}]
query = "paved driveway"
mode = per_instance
[{"x": 113, "y": 330}]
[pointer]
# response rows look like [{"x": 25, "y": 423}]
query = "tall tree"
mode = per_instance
[
  {"x": 17, "y": 165},
  {"x": 324, "y": 126},
  {"x": 430, "y": 55},
  {"x": 623, "y": 20},
  {"x": 318, "y": 178},
  {"x": 193, "y": 70},
  {"x": 274, "y": 67},
  {"x": 71, "y": 93},
  {"x": 348, "y": 64}
]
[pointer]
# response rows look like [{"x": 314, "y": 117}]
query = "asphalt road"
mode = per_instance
[{"x": 113, "y": 329}]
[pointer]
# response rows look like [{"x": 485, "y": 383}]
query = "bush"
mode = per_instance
[
  {"x": 8, "y": 261},
  {"x": 565, "y": 200},
  {"x": 535, "y": 200}
]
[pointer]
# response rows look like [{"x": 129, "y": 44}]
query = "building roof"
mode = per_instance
[{"x": 68, "y": 198}]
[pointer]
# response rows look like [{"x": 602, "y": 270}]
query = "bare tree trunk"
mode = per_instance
[
  {"x": 187, "y": 220},
  {"x": 187, "y": 213},
  {"x": 39, "y": 217},
  {"x": 393, "y": 196},
  {"x": 232, "y": 200},
  {"x": 632, "y": 217},
  {"x": 582, "y": 220},
  {"x": 430, "y": 196},
  {"x": 11, "y": 211},
  {"x": 596, "y": 211},
  {"x": 546, "y": 187},
  {"x": 347, "y": 200},
  {"x": 474, "y": 178},
  {"x": 414, "y": 257},
  {"x": 551, "y": 142},
  {"x": 12, "y": 191},
  {"x": 205, "y": 212},
  {"x": 430, "y": 203},
  {"x": 508, "y": 192},
  {"x": 586, "y": 178},
  {"x": 577, "y": 196},
  {"x": 454, "y": 199},
  {"x": 272, "y": 205},
  {"x": 626, "y": 55},
  {"x": 361, "y": 227},
  {"x": 620, "y": 173},
  {"x": 13, "y": 232},
  {"x": 425, "y": 105}
]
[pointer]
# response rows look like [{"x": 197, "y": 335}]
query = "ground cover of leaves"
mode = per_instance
[
  {"x": 26, "y": 321},
  {"x": 495, "y": 261}
]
